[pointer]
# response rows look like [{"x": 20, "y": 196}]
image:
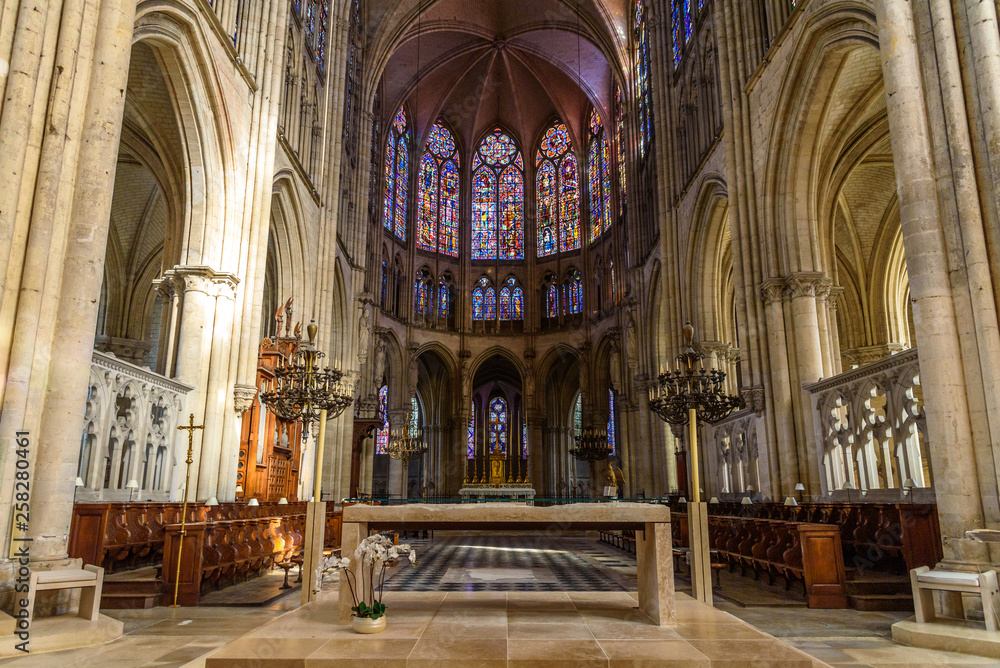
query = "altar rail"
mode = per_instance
[{"x": 124, "y": 536}]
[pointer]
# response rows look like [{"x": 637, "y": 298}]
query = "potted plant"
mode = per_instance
[{"x": 374, "y": 556}]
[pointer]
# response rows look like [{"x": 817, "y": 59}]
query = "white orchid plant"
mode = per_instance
[{"x": 375, "y": 555}]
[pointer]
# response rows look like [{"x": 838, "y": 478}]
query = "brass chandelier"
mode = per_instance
[
  {"x": 303, "y": 391},
  {"x": 406, "y": 443},
  {"x": 591, "y": 445}
]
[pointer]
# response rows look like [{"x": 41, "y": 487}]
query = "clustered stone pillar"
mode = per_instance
[{"x": 60, "y": 123}]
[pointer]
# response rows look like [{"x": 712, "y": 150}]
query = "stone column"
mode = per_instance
[
  {"x": 784, "y": 449},
  {"x": 801, "y": 289},
  {"x": 949, "y": 423},
  {"x": 59, "y": 134}
]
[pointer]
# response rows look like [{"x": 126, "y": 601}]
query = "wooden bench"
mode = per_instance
[
  {"x": 925, "y": 581},
  {"x": 90, "y": 579}
]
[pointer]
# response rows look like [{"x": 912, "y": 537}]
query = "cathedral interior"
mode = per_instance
[{"x": 270, "y": 259}]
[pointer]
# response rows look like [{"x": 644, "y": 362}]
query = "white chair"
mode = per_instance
[
  {"x": 925, "y": 582},
  {"x": 90, "y": 580}
]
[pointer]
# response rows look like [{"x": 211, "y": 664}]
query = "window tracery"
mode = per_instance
[
  {"x": 396, "y": 171},
  {"x": 600, "y": 178},
  {"x": 557, "y": 193},
  {"x": 498, "y": 199},
  {"x": 437, "y": 221},
  {"x": 498, "y": 426}
]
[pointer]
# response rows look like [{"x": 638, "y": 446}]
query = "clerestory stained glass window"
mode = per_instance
[
  {"x": 498, "y": 199},
  {"x": 620, "y": 144},
  {"x": 382, "y": 435},
  {"x": 558, "y": 194},
  {"x": 437, "y": 196},
  {"x": 643, "y": 94},
  {"x": 599, "y": 172},
  {"x": 498, "y": 425},
  {"x": 677, "y": 29},
  {"x": 396, "y": 170}
]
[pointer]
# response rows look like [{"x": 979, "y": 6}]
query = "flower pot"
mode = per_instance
[{"x": 367, "y": 624}]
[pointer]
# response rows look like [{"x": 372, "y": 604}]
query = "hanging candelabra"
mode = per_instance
[
  {"x": 406, "y": 444},
  {"x": 682, "y": 396},
  {"x": 591, "y": 445}
]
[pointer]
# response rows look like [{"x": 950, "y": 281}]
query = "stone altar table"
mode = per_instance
[{"x": 653, "y": 549}]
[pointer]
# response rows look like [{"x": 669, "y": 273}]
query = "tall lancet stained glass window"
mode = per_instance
[
  {"x": 470, "y": 447},
  {"x": 557, "y": 192},
  {"x": 599, "y": 181},
  {"x": 643, "y": 93},
  {"x": 437, "y": 195},
  {"x": 611, "y": 422},
  {"x": 396, "y": 171},
  {"x": 498, "y": 426},
  {"x": 498, "y": 199},
  {"x": 620, "y": 144},
  {"x": 382, "y": 435}
]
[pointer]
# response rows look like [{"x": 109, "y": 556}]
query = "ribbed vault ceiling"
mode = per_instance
[{"x": 516, "y": 63}]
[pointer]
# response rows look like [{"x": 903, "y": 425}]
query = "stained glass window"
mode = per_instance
[
  {"x": 511, "y": 301},
  {"x": 484, "y": 300},
  {"x": 573, "y": 294},
  {"x": 444, "y": 299},
  {"x": 498, "y": 200},
  {"x": 478, "y": 308},
  {"x": 321, "y": 25},
  {"x": 552, "y": 301},
  {"x": 382, "y": 436},
  {"x": 524, "y": 438},
  {"x": 599, "y": 172},
  {"x": 396, "y": 170},
  {"x": 611, "y": 422},
  {"x": 414, "y": 414},
  {"x": 470, "y": 447},
  {"x": 423, "y": 294},
  {"x": 385, "y": 278},
  {"x": 677, "y": 25},
  {"x": 437, "y": 198},
  {"x": 505, "y": 303},
  {"x": 557, "y": 191},
  {"x": 620, "y": 143},
  {"x": 578, "y": 415},
  {"x": 491, "y": 304},
  {"x": 498, "y": 425},
  {"x": 642, "y": 78},
  {"x": 688, "y": 21}
]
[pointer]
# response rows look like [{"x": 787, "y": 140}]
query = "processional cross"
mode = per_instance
[{"x": 190, "y": 428}]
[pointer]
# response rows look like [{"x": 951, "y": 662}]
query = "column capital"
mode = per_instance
[
  {"x": 202, "y": 278},
  {"x": 753, "y": 398},
  {"x": 833, "y": 299},
  {"x": 805, "y": 284},
  {"x": 243, "y": 396},
  {"x": 772, "y": 290}
]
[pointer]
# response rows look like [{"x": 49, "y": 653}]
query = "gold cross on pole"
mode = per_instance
[{"x": 191, "y": 426}]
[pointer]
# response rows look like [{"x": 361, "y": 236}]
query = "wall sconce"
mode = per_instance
[
  {"x": 908, "y": 485},
  {"x": 131, "y": 486}
]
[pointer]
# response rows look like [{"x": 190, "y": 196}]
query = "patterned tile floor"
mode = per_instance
[{"x": 455, "y": 561}]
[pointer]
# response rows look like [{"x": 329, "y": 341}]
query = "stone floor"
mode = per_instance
[
  {"x": 466, "y": 629},
  {"x": 184, "y": 637}
]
